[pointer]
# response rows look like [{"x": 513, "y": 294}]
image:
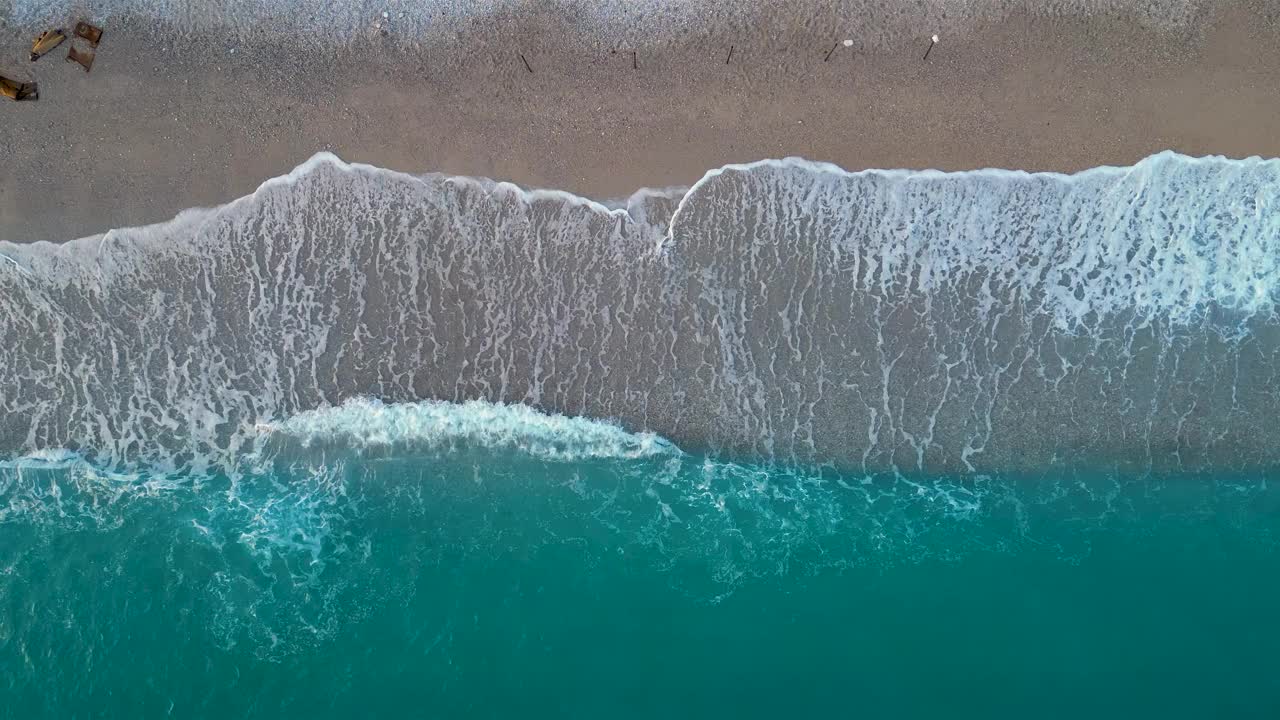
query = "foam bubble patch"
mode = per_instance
[{"x": 369, "y": 424}]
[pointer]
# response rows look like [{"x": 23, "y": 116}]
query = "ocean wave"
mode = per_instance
[
  {"x": 341, "y": 513},
  {"x": 366, "y": 424},
  {"x": 890, "y": 321}
]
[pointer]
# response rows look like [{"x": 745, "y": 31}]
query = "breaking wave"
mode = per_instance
[
  {"x": 344, "y": 512},
  {"x": 369, "y": 425},
  {"x": 884, "y": 321}
]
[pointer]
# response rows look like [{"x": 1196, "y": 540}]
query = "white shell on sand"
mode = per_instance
[{"x": 848, "y": 43}]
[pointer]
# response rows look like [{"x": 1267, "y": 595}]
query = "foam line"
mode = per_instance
[
  {"x": 191, "y": 218},
  {"x": 369, "y": 424}
]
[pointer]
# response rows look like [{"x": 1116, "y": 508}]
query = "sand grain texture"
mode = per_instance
[{"x": 163, "y": 124}]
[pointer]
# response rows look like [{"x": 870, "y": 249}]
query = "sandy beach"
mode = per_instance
[{"x": 162, "y": 124}]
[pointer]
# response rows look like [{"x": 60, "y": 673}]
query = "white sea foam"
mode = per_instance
[
  {"x": 889, "y": 318},
  {"x": 1173, "y": 272},
  {"x": 79, "y": 468},
  {"x": 1146, "y": 252},
  {"x": 44, "y": 458},
  {"x": 364, "y": 423}
]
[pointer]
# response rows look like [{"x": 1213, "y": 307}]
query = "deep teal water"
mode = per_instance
[{"x": 492, "y": 582}]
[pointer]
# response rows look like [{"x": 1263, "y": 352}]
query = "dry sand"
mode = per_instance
[{"x": 159, "y": 125}]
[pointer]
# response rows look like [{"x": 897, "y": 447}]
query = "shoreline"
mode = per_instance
[
  {"x": 626, "y": 206},
  {"x": 152, "y": 132}
]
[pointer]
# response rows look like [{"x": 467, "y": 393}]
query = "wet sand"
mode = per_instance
[{"x": 161, "y": 125}]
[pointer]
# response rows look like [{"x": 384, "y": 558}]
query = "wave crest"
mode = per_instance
[{"x": 366, "y": 424}]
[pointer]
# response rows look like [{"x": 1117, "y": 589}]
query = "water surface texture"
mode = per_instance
[
  {"x": 885, "y": 321},
  {"x": 792, "y": 441}
]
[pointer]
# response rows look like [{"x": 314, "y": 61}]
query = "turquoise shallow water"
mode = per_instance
[{"x": 612, "y": 575}]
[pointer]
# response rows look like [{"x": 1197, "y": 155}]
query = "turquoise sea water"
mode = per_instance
[
  {"x": 791, "y": 442},
  {"x": 615, "y": 576}
]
